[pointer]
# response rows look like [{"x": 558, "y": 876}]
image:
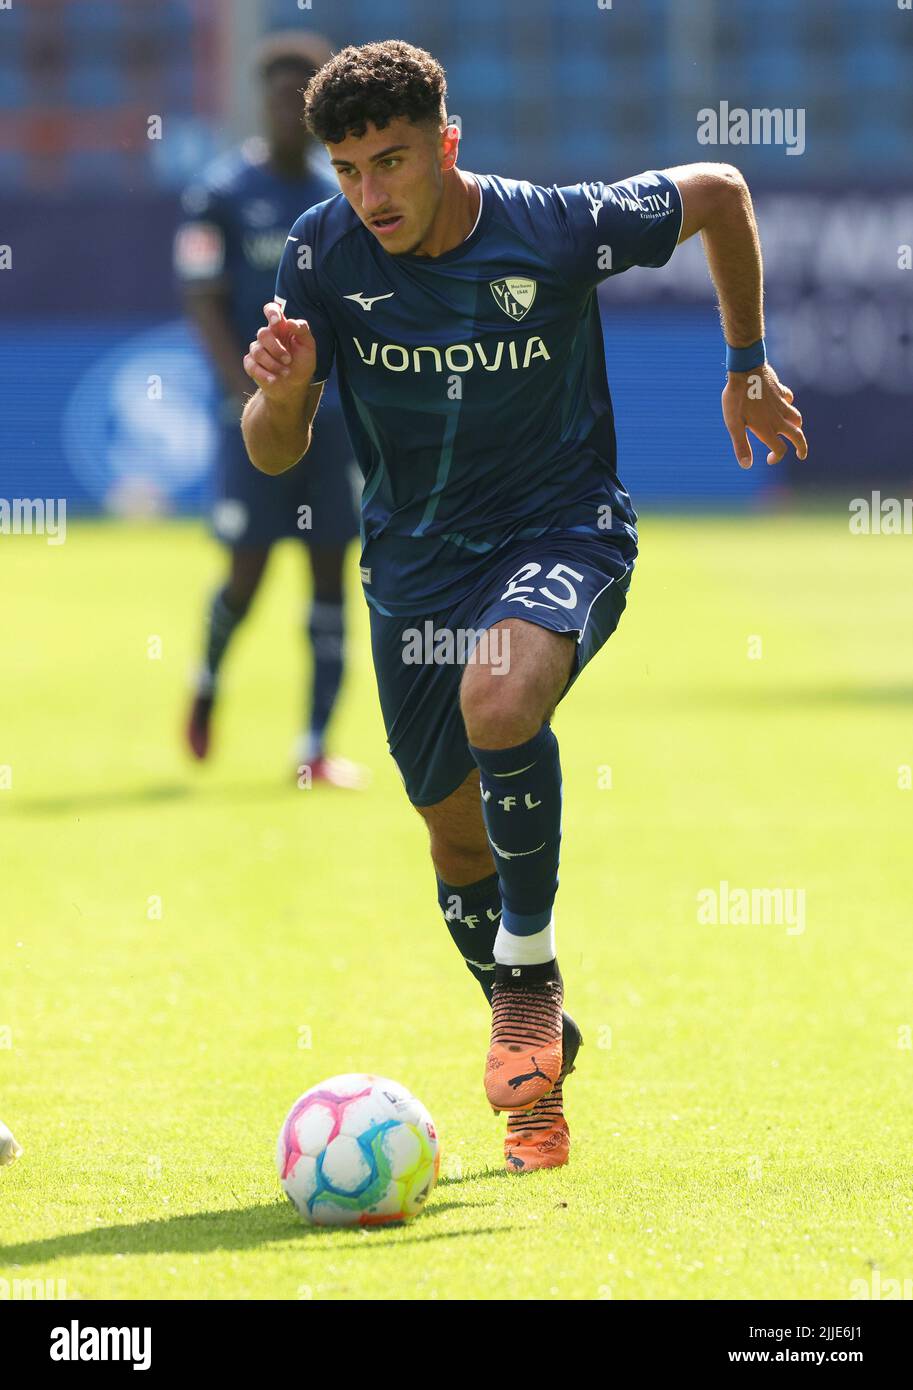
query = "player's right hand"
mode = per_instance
[{"x": 283, "y": 357}]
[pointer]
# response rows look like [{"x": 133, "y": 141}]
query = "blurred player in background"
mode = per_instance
[{"x": 227, "y": 250}]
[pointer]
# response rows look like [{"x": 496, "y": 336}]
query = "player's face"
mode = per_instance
[
  {"x": 283, "y": 108},
  {"x": 393, "y": 179}
]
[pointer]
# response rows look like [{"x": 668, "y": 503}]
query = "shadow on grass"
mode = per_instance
[
  {"x": 238, "y": 1228},
  {"x": 125, "y": 797},
  {"x": 450, "y": 1179}
]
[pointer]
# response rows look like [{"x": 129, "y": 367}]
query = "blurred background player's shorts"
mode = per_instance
[{"x": 315, "y": 502}]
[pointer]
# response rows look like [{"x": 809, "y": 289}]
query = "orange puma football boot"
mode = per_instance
[
  {"x": 540, "y": 1138},
  {"x": 525, "y": 1054}
]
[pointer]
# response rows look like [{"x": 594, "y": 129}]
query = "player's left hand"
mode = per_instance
[{"x": 758, "y": 401}]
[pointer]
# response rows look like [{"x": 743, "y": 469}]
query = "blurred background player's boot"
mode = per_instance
[
  {"x": 326, "y": 634},
  {"x": 9, "y": 1149},
  {"x": 222, "y": 620},
  {"x": 311, "y": 768},
  {"x": 199, "y": 724}
]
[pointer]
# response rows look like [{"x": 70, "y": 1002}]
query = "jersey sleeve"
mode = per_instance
[
  {"x": 298, "y": 295},
  {"x": 201, "y": 239},
  {"x": 609, "y": 227}
]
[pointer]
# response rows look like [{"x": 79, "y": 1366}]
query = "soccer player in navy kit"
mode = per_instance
[
  {"x": 461, "y": 312},
  {"x": 227, "y": 251}
]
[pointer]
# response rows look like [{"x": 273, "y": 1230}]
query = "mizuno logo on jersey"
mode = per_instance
[
  {"x": 366, "y": 302},
  {"x": 457, "y": 357}
]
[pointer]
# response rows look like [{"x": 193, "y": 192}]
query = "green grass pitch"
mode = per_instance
[{"x": 741, "y": 1112}]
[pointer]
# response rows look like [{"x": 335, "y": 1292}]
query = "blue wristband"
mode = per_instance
[{"x": 744, "y": 359}]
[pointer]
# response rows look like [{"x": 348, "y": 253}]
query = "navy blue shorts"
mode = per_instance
[
  {"x": 568, "y": 583},
  {"x": 315, "y": 502}
]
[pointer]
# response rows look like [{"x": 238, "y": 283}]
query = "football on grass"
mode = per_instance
[{"x": 357, "y": 1150}]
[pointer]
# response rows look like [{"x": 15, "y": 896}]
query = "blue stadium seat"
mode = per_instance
[
  {"x": 879, "y": 143},
  {"x": 13, "y": 168},
  {"x": 875, "y": 65},
  {"x": 87, "y": 167},
  {"x": 94, "y": 17},
  {"x": 96, "y": 84},
  {"x": 772, "y": 61},
  {"x": 483, "y": 76},
  {"x": 14, "y": 88}
]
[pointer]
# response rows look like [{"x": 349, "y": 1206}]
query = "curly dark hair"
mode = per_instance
[{"x": 374, "y": 83}]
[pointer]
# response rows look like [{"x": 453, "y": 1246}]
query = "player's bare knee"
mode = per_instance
[{"x": 500, "y": 712}]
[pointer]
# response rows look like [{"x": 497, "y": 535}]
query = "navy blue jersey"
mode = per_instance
[
  {"x": 236, "y": 221},
  {"x": 473, "y": 383}
]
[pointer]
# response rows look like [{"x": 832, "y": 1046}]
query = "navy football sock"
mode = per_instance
[
  {"x": 326, "y": 630},
  {"x": 221, "y": 623},
  {"x": 521, "y": 806},
  {"x": 473, "y": 914}
]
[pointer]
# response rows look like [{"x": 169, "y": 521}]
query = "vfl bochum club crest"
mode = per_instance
[{"x": 514, "y": 295}]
